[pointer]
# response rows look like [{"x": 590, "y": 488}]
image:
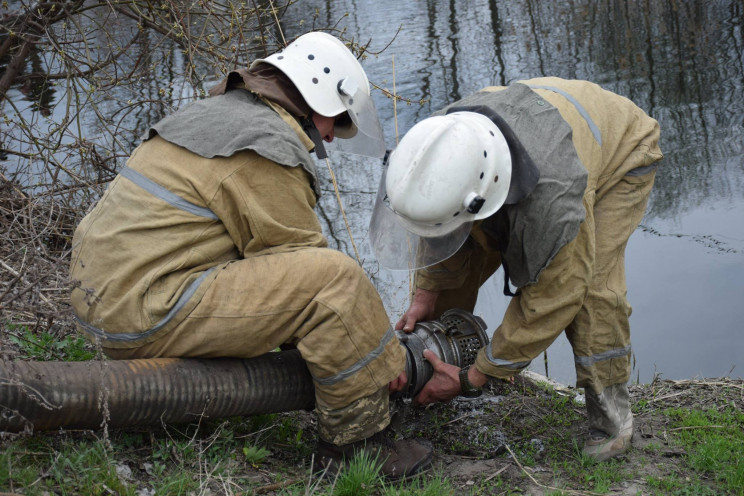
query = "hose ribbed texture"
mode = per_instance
[{"x": 89, "y": 395}]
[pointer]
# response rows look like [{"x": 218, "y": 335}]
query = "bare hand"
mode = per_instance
[
  {"x": 398, "y": 384},
  {"x": 444, "y": 383},
  {"x": 421, "y": 309}
]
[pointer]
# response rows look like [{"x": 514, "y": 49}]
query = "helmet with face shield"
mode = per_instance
[
  {"x": 333, "y": 83},
  {"x": 447, "y": 172}
]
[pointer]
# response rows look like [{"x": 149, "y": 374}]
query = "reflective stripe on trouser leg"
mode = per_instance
[
  {"x": 600, "y": 332},
  {"x": 359, "y": 420}
]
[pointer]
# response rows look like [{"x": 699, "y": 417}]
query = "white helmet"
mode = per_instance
[
  {"x": 447, "y": 172},
  {"x": 332, "y": 82}
]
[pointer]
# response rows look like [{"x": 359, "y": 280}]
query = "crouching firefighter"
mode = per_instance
[
  {"x": 546, "y": 178},
  {"x": 207, "y": 245}
]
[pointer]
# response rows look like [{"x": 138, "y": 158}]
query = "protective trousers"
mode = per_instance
[
  {"x": 315, "y": 298},
  {"x": 601, "y": 326}
]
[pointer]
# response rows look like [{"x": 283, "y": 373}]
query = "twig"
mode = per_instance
[
  {"x": 395, "y": 104},
  {"x": 667, "y": 396},
  {"x": 692, "y": 427},
  {"x": 9, "y": 269},
  {"x": 495, "y": 474},
  {"x": 706, "y": 383},
  {"x": 514, "y": 457},
  {"x": 277, "y": 486},
  {"x": 257, "y": 432},
  {"x": 458, "y": 419},
  {"x": 278, "y": 24},
  {"x": 35, "y": 394},
  {"x": 566, "y": 491},
  {"x": 343, "y": 213}
]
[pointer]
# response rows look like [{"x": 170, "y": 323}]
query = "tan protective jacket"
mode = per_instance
[{"x": 140, "y": 263}]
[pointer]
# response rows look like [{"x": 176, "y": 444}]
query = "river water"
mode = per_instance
[{"x": 681, "y": 61}]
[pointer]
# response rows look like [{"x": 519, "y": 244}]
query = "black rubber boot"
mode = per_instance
[{"x": 400, "y": 459}]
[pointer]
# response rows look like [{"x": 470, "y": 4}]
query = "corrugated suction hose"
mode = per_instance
[
  {"x": 48, "y": 395},
  {"x": 119, "y": 393}
]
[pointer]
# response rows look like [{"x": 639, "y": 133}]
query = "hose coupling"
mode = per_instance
[{"x": 455, "y": 339}]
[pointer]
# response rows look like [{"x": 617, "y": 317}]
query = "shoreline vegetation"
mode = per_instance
[{"x": 519, "y": 438}]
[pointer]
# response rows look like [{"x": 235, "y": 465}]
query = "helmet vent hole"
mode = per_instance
[
  {"x": 311, "y": 57},
  {"x": 315, "y": 80},
  {"x": 456, "y": 214},
  {"x": 280, "y": 57},
  {"x": 485, "y": 153},
  {"x": 481, "y": 176},
  {"x": 438, "y": 224},
  {"x": 491, "y": 133},
  {"x": 496, "y": 179},
  {"x": 326, "y": 70}
]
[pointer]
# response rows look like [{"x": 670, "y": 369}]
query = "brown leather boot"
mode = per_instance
[{"x": 400, "y": 459}]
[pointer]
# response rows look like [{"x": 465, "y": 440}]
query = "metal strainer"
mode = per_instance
[{"x": 455, "y": 338}]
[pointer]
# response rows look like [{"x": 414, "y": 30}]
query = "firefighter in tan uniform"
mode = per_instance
[
  {"x": 546, "y": 178},
  {"x": 206, "y": 245}
]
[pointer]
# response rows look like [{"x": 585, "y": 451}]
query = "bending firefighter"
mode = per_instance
[
  {"x": 206, "y": 245},
  {"x": 546, "y": 178}
]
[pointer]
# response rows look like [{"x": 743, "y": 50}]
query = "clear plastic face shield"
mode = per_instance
[
  {"x": 365, "y": 136},
  {"x": 398, "y": 245}
]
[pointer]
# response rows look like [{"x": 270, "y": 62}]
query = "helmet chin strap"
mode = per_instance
[{"x": 312, "y": 132}]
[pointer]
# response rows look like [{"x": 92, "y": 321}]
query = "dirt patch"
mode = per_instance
[
  {"x": 522, "y": 438},
  {"x": 527, "y": 438}
]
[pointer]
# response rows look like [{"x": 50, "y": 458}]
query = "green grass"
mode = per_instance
[
  {"x": 46, "y": 346},
  {"x": 255, "y": 455},
  {"x": 217, "y": 455},
  {"x": 714, "y": 443},
  {"x": 362, "y": 477},
  {"x": 437, "y": 486},
  {"x": 183, "y": 460},
  {"x": 72, "y": 468}
]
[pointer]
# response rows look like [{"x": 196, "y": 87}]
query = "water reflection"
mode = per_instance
[{"x": 114, "y": 69}]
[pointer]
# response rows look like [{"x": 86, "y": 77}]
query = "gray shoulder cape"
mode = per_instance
[
  {"x": 531, "y": 231},
  {"x": 222, "y": 125}
]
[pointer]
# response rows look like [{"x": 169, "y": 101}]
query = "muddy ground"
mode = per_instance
[
  {"x": 519, "y": 438},
  {"x": 524, "y": 438}
]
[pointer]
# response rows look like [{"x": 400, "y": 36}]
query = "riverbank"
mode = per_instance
[{"x": 520, "y": 438}]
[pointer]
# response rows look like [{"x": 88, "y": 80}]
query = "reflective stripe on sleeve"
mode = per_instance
[
  {"x": 134, "y": 336},
  {"x": 344, "y": 374},
  {"x": 592, "y": 126},
  {"x": 160, "y": 192},
  {"x": 588, "y": 361},
  {"x": 505, "y": 363}
]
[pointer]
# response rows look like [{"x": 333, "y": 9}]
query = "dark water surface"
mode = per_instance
[{"x": 681, "y": 61}]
